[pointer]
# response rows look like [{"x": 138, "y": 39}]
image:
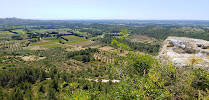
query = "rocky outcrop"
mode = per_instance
[{"x": 183, "y": 51}]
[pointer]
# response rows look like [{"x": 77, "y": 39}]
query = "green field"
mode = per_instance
[
  {"x": 44, "y": 43},
  {"x": 49, "y": 44},
  {"x": 55, "y": 43},
  {"x": 19, "y": 31},
  {"x": 49, "y": 30},
  {"x": 6, "y": 33},
  {"x": 53, "y": 46},
  {"x": 50, "y": 38},
  {"x": 74, "y": 39},
  {"x": 80, "y": 33}
]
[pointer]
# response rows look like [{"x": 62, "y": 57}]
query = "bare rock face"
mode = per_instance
[{"x": 183, "y": 51}]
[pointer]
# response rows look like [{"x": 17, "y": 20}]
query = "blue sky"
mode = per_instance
[{"x": 106, "y": 9}]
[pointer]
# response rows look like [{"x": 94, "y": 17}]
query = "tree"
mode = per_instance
[
  {"x": 1, "y": 93},
  {"x": 124, "y": 33},
  {"x": 64, "y": 76},
  {"x": 52, "y": 94},
  {"x": 16, "y": 94},
  {"x": 42, "y": 75},
  {"x": 41, "y": 89},
  {"x": 121, "y": 46}
]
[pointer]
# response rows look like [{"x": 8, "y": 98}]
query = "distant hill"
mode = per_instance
[
  {"x": 19, "y": 21},
  {"x": 15, "y": 21}
]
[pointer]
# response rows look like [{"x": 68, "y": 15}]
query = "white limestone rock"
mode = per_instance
[{"x": 183, "y": 51}]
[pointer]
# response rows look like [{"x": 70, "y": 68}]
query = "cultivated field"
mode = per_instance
[
  {"x": 74, "y": 39},
  {"x": 19, "y": 31},
  {"x": 13, "y": 45},
  {"x": 81, "y": 44},
  {"x": 5, "y": 33},
  {"x": 73, "y": 43}
]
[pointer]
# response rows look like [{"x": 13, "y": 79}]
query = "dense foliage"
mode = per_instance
[
  {"x": 83, "y": 55},
  {"x": 138, "y": 46},
  {"x": 92, "y": 73},
  {"x": 142, "y": 77},
  {"x": 164, "y": 31}
]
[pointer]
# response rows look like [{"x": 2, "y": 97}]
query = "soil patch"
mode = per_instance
[
  {"x": 141, "y": 37},
  {"x": 80, "y": 44},
  {"x": 32, "y": 58},
  {"x": 106, "y": 48}
]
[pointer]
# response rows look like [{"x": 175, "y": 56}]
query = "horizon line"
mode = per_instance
[{"x": 113, "y": 19}]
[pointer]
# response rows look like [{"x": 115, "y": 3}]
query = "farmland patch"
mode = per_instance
[
  {"x": 32, "y": 58},
  {"x": 80, "y": 44}
]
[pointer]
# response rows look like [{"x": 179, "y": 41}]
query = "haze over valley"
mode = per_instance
[{"x": 109, "y": 50}]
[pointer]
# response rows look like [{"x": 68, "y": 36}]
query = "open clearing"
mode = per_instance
[
  {"x": 19, "y": 31},
  {"x": 5, "y": 33},
  {"x": 96, "y": 46},
  {"x": 34, "y": 48},
  {"x": 106, "y": 48},
  {"x": 80, "y": 44},
  {"x": 138, "y": 38},
  {"x": 75, "y": 49},
  {"x": 32, "y": 58},
  {"x": 111, "y": 49},
  {"x": 50, "y": 38},
  {"x": 53, "y": 45},
  {"x": 74, "y": 39},
  {"x": 144, "y": 39},
  {"x": 61, "y": 30},
  {"x": 74, "y": 43},
  {"x": 45, "y": 44}
]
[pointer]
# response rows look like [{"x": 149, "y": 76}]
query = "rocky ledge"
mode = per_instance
[{"x": 183, "y": 51}]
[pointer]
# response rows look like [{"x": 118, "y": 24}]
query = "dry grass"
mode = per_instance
[
  {"x": 141, "y": 37},
  {"x": 106, "y": 48},
  {"x": 32, "y": 58},
  {"x": 80, "y": 44}
]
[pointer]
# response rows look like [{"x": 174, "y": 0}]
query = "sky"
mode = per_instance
[{"x": 106, "y": 9}]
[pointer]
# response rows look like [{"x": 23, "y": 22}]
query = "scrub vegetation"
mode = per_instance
[{"x": 62, "y": 60}]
